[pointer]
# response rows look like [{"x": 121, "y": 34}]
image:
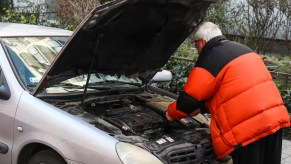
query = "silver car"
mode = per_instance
[{"x": 85, "y": 97}]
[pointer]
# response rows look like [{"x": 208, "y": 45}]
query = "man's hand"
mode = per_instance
[
  {"x": 169, "y": 118},
  {"x": 195, "y": 112}
]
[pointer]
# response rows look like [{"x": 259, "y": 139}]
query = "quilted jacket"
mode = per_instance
[{"x": 232, "y": 82}]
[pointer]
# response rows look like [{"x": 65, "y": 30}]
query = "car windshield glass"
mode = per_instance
[
  {"x": 32, "y": 56},
  {"x": 97, "y": 81}
]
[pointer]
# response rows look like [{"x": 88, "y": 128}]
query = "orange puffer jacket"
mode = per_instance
[{"x": 234, "y": 85}]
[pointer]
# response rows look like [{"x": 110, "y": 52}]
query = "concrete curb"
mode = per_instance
[{"x": 286, "y": 152}]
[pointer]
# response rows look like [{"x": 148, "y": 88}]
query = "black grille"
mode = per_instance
[{"x": 185, "y": 156}]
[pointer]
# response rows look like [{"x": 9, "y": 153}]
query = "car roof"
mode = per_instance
[{"x": 14, "y": 29}]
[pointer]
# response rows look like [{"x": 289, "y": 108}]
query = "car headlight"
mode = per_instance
[{"x": 130, "y": 154}]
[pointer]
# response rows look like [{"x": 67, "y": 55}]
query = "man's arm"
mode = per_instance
[{"x": 200, "y": 86}]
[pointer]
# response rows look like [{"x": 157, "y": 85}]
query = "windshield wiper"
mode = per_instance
[
  {"x": 115, "y": 81},
  {"x": 68, "y": 85},
  {"x": 74, "y": 86},
  {"x": 98, "y": 87}
]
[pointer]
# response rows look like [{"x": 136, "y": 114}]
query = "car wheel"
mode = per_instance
[{"x": 46, "y": 157}]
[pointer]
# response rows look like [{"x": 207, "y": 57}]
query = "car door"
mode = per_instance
[{"x": 8, "y": 104}]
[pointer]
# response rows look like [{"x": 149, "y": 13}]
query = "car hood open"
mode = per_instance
[{"x": 130, "y": 37}]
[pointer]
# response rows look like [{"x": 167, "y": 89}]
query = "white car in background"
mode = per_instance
[{"x": 92, "y": 102}]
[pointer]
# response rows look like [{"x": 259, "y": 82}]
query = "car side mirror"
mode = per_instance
[
  {"x": 4, "y": 89},
  {"x": 161, "y": 76}
]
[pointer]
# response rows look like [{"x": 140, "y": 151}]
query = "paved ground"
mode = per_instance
[{"x": 286, "y": 152}]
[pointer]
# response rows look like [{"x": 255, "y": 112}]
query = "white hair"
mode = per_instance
[{"x": 207, "y": 31}]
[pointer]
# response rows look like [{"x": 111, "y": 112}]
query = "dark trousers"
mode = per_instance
[{"x": 266, "y": 150}]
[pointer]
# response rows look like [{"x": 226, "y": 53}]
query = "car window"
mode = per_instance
[
  {"x": 31, "y": 56},
  {"x": 0, "y": 76},
  {"x": 21, "y": 68},
  {"x": 4, "y": 89}
]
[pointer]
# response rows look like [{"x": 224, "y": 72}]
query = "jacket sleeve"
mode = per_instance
[{"x": 200, "y": 86}]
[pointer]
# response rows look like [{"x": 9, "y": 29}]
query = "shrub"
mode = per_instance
[{"x": 180, "y": 65}]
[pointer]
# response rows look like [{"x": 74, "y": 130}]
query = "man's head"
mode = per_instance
[{"x": 205, "y": 32}]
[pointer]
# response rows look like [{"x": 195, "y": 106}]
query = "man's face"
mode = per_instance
[{"x": 199, "y": 44}]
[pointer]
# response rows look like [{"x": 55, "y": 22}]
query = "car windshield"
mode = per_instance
[{"x": 31, "y": 57}]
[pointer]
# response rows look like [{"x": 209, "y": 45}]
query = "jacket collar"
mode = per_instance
[{"x": 212, "y": 43}]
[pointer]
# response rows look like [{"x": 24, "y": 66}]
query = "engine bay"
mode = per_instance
[{"x": 139, "y": 119}]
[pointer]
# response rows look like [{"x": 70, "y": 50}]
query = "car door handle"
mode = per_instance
[{"x": 3, "y": 148}]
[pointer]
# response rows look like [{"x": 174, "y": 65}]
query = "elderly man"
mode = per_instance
[{"x": 231, "y": 82}]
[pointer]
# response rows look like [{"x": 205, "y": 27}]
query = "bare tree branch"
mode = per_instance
[{"x": 72, "y": 12}]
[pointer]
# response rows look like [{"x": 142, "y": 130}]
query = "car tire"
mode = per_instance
[{"x": 46, "y": 157}]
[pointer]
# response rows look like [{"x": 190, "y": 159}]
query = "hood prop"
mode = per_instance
[{"x": 90, "y": 70}]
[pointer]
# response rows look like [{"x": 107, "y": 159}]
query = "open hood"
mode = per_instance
[{"x": 129, "y": 37}]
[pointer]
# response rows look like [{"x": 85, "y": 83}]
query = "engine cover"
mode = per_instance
[{"x": 139, "y": 122}]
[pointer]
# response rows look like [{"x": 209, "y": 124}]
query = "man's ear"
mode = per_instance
[{"x": 203, "y": 42}]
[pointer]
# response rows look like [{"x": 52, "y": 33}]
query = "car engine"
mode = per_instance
[{"x": 139, "y": 119}]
